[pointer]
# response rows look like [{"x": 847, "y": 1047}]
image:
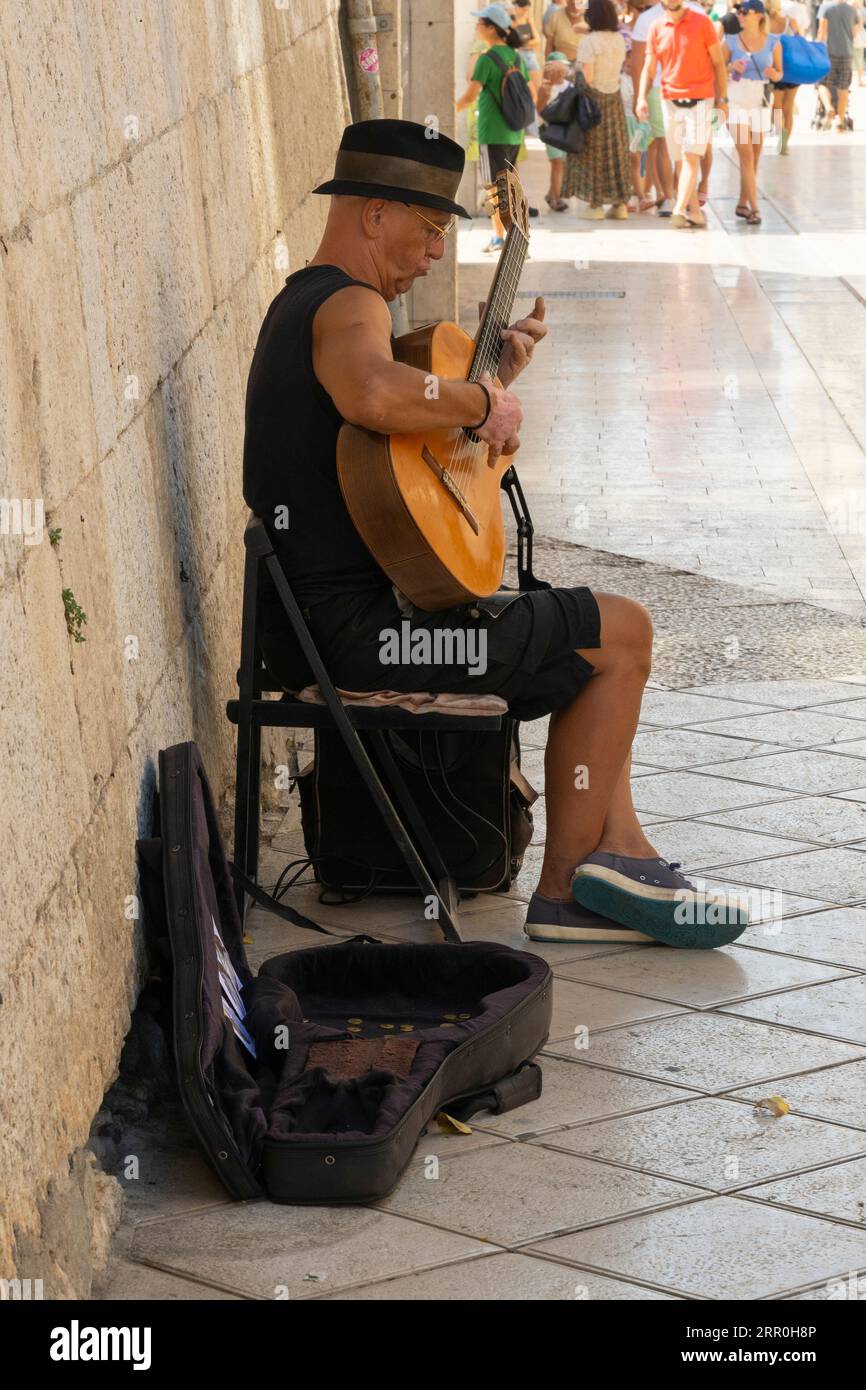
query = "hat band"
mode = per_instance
[{"x": 395, "y": 172}]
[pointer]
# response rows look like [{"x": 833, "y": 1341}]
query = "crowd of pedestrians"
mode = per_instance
[{"x": 664, "y": 78}]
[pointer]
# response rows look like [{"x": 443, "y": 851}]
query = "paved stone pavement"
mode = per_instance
[{"x": 646, "y": 1171}]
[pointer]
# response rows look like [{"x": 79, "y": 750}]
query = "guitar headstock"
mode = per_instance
[{"x": 512, "y": 203}]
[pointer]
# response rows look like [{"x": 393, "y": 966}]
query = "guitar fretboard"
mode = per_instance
[{"x": 500, "y": 302}]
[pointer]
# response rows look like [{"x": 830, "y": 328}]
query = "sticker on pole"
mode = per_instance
[{"x": 369, "y": 59}]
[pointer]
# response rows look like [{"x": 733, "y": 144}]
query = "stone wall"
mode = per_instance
[{"x": 156, "y": 166}]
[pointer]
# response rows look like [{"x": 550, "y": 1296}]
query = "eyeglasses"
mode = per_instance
[{"x": 441, "y": 232}]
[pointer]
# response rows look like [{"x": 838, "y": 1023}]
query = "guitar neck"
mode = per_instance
[{"x": 500, "y": 302}]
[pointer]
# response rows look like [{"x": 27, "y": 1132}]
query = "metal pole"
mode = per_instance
[{"x": 363, "y": 27}]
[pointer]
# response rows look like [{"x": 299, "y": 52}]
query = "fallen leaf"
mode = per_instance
[
  {"x": 775, "y": 1104},
  {"x": 450, "y": 1125}
]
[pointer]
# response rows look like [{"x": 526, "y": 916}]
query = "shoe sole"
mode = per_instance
[
  {"x": 651, "y": 910},
  {"x": 554, "y": 932}
]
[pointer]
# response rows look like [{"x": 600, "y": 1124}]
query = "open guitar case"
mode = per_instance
[{"x": 313, "y": 1080}]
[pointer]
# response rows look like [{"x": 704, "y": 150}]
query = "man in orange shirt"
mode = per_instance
[{"x": 694, "y": 79}]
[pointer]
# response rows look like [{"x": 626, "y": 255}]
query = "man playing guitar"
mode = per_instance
[{"x": 323, "y": 358}]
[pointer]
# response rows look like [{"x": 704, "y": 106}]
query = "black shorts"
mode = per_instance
[
  {"x": 493, "y": 159},
  {"x": 522, "y": 648},
  {"x": 784, "y": 86}
]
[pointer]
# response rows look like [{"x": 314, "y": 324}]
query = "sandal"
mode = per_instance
[
  {"x": 754, "y": 219},
  {"x": 743, "y": 210},
  {"x": 647, "y": 204},
  {"x": 702, "y": 198}
]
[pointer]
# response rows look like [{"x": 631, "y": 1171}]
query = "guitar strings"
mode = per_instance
[
  {"x": 489, "y": 347},
  {"x": 463, "y": 448},
  {"x": 467, "y": 452}
]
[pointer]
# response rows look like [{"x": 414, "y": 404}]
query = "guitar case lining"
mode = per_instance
[{"x": 357, "y": 1045}]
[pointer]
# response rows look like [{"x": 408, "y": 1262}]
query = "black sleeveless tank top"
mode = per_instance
[{"x": 290, "y": 445}]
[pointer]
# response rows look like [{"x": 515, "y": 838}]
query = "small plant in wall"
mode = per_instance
[
  {"x": 74, "y": 613},
  {"x": 75, "y": 616}
]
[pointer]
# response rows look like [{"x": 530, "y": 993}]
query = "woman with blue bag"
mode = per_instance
[
  {"x": 753, "y": 58},
  {"x": 784, "y": 92}
]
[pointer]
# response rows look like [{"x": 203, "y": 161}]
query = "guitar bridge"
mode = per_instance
[{"x": 451, "y": 488}]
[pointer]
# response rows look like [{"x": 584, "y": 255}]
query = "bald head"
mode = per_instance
[{"x": 387, "y": 243}]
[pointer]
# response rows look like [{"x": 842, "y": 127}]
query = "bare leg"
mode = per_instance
[
  {"x": 706, "y": 167},
  {"x": 749, "y": 192},
  {"x": 842, "y": 107},
  {"x": 664, "y": 168},
  {"x": 687, "y": 196},
  {"x": 557, "y": 167},
  {"x": 622, "y": 832},
  {"x": 637, "y": 181},
  {"x": 827, "y": 99},
  {"x": 595, "y": 733},
  {"x": 651, "y": 177},
  {"x": 757, "y": 146}
]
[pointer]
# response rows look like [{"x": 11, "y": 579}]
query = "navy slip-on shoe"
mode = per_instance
[
  {"x": 552, "y": 919},
  {"x": 651, "y": 896}
]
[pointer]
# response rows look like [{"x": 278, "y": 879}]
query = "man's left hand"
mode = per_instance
[{"x": 520, "y": 340}]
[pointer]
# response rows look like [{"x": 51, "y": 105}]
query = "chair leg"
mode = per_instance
[
  {"x": 249, "y": 752},
  {"x": 361, "y": 758},
  {"x": 247, "y": 796},
  {"x": 446, "y": 890}
]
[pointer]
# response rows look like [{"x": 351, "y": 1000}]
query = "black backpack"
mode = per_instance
[
  {"x": 467, "y": 786},
  {"x": 515, "y": 98}
]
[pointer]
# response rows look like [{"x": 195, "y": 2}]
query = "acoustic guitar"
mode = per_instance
[{"x": 427, "y": 505}]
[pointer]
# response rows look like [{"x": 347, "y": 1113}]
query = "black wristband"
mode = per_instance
[{"x": 482, "y": 422}]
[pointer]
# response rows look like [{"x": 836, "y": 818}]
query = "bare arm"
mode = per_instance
[
  {"x": 648, "y": 72},
  {"x": 774, "y": 73},
  {"x": 636, "y": 62},
  {"x": 717, "y": 58},
  {"x": 353, "y": 360},
  {"x": 542, "y": 98},
  {"x": 470, "y": 96},
  {"x": 822, "y": 31}
]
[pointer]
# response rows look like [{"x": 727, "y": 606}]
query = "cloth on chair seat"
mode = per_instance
[{"x": 418, "y": 702}]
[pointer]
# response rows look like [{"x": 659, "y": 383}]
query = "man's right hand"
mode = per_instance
[
  {"x": 641, "y": 111},
  {"x": 502, "y": 425}
]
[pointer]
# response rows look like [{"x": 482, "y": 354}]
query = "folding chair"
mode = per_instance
[{"x": 251, "y": 713}]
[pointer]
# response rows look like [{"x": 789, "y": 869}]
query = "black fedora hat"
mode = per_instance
[{"x": 400, "y": 161}]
